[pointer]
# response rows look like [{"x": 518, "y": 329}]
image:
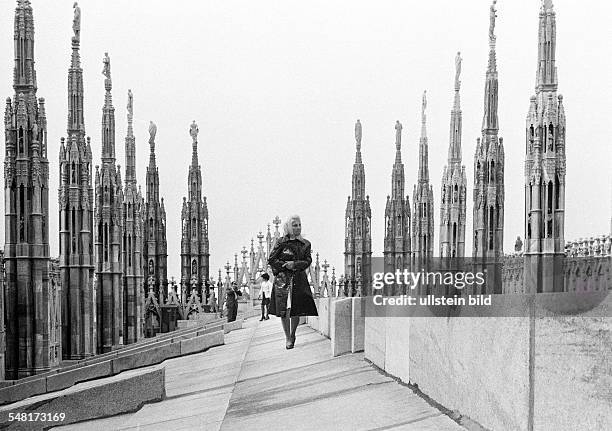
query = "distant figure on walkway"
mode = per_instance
[
  {"x": 212, "y": 301},
  {"x": 264, "y": 295},
  {"x": 231, "y": 294},
  {"x": 291, "y": 295}
]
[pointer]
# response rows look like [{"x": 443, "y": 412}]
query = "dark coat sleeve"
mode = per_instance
[
  {"x": 306, "y": 258},
  {"x": 275, "y": 263}
]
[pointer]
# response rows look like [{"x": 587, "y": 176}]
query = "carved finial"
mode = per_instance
[
  {"x": 106, "y": 70},
  {"x": 277, "y": 222},
  {"x": 76, "y": 22},
  {"x": 193, "y": 131},
  {"x": 152, "y": 133}
]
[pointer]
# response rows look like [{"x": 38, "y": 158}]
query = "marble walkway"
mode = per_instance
[{"x": 253, "y": 382}]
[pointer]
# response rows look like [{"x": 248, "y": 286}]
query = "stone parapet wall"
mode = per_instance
[
  {"x": 583, "y": 272},
  {"x": 544, "y": 371}
]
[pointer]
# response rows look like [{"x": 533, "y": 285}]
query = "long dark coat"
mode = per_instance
[{"x": 302, "y": 303}]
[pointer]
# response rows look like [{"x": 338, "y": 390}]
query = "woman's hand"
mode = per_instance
[{"x": 289, "y": 265}]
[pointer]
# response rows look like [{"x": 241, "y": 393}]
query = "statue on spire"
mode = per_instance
[
  {"x": 193, "y": 131},
  {"x": 424, "y": 105},
  {"x": 106, "y": 70},
  {"x": 130, "y": 105},
  {"x": 398, "y": 133},
  {"x": 358, "y": 132},
  {"x": 457, "y": 70},
  {"x": 492, "y": 22},
  {"x": 152, "y": 132},
  {"x": 76, "y": 22}
]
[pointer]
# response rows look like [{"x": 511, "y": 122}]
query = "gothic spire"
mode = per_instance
[
  {"x": 547, "y": 42},
  {"x": 152, "y": 133},
  {"x": 24, "y": 74},
  {"x": 454, "y": 149},
  {"x": 193, "y": 131},
  {"x": 398, "y": 142},
  {"x": 397, "y": 175},
  {"x": 76, "y": 121},
  {"x": 130, "y": 143},
  {"x": 423, "y": 150},
  {"x": 108, "y": 116},
  {"x": 489, "y": 120},
  {"x": 358, "y": 168}
]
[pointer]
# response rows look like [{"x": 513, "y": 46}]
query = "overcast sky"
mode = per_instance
[{"x": 276, "y": 87}]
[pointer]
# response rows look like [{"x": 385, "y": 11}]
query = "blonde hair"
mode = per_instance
[{"x": 287, "y": 224}]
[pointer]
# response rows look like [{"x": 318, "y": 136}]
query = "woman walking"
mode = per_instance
[{"x": 291, "y": 296}]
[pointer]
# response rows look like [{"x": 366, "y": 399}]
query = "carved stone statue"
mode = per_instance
[
  {"x": 518, "y": 245},
  {"x": 424, "y": 106},
  {"x": 358, "y": 132},
  {"x": 130, "y": 105},
  {"x": 35, "y": 131},
  {"x": 492, "y": 17},
  {"x": 193, "y": 131},
  {"x": 398, "y": 133},
  {"x": 457, "y": 69},
  {"x": 106, "y": 70},
  {"x": 152, "y": 132},
  {"x": 550, "y": 143},
  {"x": 76, "y": 22}
]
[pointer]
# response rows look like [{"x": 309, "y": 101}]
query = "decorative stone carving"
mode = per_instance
[
  {"x": 76, "y": 21},
  {"x": 193, "y": 131},
  {"x": 106, "y": 69}
]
